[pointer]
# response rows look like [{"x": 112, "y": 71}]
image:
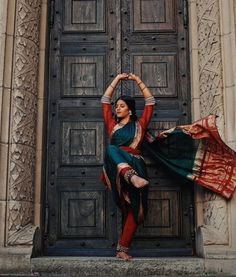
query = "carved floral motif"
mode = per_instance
[
  {"x": 210, "y": 60},
  {"x": 23, "y": 121},
  {"x": 21, "y": 178}
]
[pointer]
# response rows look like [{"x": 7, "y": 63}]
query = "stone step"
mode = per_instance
[
  {"x": 17, "y": 275},
  {"x": 113, "y": 267}
]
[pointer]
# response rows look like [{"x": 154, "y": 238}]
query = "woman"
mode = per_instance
[
  {"x": 197, "y": 154},
  {"x": 124, "y": 168}
]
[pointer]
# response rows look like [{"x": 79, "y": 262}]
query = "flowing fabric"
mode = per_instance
[
  {"x": 197, "y": 152},
  {"x": 194, "y": 151}
]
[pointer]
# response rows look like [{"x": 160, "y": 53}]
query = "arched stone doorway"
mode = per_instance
[{"x": 26, "y": 36}]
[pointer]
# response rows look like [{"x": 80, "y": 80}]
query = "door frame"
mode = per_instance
[{"x": 45, "y": 214}]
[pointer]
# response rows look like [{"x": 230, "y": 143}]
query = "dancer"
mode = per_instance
[{"x": 124, "y": 167}]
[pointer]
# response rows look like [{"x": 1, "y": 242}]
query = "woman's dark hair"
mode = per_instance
[{"x": 130, "y": 102}]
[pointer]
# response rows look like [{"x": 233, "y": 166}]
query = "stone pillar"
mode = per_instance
[
  {"x": 19, "y": 50},
  {"x": 5, "y": 42},
  {"x": 22, "y": 143},
  {"x": 228, "y": 21},
  {"x": 208, "y": 70},
  {"x": 228, "y": 41}
]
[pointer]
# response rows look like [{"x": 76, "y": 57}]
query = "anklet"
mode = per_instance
[
  {"x": 128, "y": 175},
  {"x": 121, "y": 248}
]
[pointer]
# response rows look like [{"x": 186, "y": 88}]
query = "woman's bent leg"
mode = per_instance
[{"x": 131, "y": 177}]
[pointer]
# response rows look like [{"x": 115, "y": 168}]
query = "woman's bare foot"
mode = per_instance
[
  {"x": 138, "y": 182},
  {"x": 124, "y": 256}
]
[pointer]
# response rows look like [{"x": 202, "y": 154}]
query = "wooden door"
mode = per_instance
[{"x": 90, "y": 42}]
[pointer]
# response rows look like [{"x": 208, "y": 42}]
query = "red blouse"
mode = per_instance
[{"x": 142, "y": 122}]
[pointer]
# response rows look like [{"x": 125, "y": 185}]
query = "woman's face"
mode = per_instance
[{"x": 121, "y": 109}]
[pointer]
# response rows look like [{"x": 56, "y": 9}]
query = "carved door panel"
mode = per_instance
[{"x": 90, "y": 42}]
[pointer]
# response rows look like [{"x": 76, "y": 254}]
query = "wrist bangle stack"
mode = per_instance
[
  {"x": 143, "y": 88},
  {"x": 106, "y": 99}
]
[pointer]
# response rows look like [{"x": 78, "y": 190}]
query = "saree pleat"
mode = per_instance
[{"x": 116, "y": 160}]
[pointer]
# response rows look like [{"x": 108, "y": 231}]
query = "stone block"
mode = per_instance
[
  {"x": 3, "y": 16},
  {"x": 37, "y": 214},
  {"x": 227, "y": 17},
  {"x": 41, "y": 81},
  {"x": 109, "y": 267},
  {"x": 2, "y": 225},
  {"x": 43, "y": 26},
  {"x": 230, "y": 114},
  {"x": 229, "y": 73},
  {"x": 3, "y": 171},
  {"x": 193, "y": 35},
  {"x": 8, "y": 69},
  {"x": 10, "y": 28},
  {"x": 2, "y": 53},
  {"x": 15, "y": 260},
  {"x": 5, "y": 115},
  {"x": 221, "y": 266}
]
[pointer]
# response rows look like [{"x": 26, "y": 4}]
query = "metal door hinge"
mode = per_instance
[
  {"x": 46, "y": 219},
  {"x": 185, "y": 13},
  {"x": 52, "y": 12}
]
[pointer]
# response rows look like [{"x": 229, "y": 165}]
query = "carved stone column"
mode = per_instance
[
  {"x": 22, "y": 143},
  {"x": 206, "y": 52}
]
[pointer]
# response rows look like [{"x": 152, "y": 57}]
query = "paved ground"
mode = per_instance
[
  {"x": 24, "y": 275},
  {"x": 138, "y": 267}
]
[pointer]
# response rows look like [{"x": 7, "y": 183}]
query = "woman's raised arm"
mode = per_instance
[
  {"x": 149, "y": 100},
  {"x": 106, "y": 101}
]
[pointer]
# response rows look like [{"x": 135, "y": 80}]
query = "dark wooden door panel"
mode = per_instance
[
  {"x": 83, "y": 75},
  {"x": 82, "y": 143},
  {"x": 84, "y": 16},
  {"x": 90, "y": 42},
  {"x": 82, "y": 214},
  {"x": 163, "y": 214},
  {"x": 154, "y": 15},
  {"x": 163, "y": 66}
]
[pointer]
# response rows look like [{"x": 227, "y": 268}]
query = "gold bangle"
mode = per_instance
[
  {"x": 143, "y": 88},
  {"x": 139, "y": 83}
]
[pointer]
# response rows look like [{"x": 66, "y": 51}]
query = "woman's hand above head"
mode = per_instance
[
  {"x": 122, "y": 76},
  {"x": 114, "y": 83},
  {"x": 145, "y": 91},
  {"x": 132, "y": 76}
]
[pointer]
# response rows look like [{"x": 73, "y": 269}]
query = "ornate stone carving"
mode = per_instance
[
  {"x": 215, "y": 229},
  {"x": 210, "y": 60},
  {"x": 23, "y": 237},
  {"x": 23, "y": 123},
  {"x": 22, "y": 164},
  {"x": 23, "y": 127},
  {"x": 21, "y": 214}
]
